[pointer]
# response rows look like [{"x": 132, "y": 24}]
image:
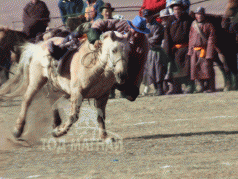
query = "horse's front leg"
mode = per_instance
[
  {"x": 35, "y": 85},
  {"x": 101, "y": 106},
  {"x": 76, "y": 101}
]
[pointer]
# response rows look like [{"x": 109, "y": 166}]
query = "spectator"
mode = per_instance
[
  {"x": 186, "y": 4},
  {"x": 157, "y": 59},
  {"x": 154, "y": 6},
  {"x": 92, "y": 10},
  {"x": 176, "y": 46},
  {"x": 35, "y": 18},
  {"x": 164, "y": 15},
  {"x": 202, "y": 50},
  {"x": 70, "y": 8},
  {"x": 106, "y": 11}
]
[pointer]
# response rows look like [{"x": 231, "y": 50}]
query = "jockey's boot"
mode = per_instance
[
  {"x": 62, "y": 60},
  {"x": 69, "y": 42},
  {"x": 57, "y": 51}
]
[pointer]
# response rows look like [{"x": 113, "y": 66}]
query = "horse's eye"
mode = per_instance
[{"x": 114, "y": 50}]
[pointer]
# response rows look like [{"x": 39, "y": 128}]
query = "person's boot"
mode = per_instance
[
  {"x": 191, "y": 87},
  {"x": 210, "y": 87},
  {"x": 201, "y": 86},
  {"x": 227, "y": 81},
  {"x": 176, "y": 87},
  {"x": 146, "y": 90},
  {"x": 159, "y": 89}
]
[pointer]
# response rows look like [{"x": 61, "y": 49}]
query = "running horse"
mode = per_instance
[
  {"x": 10, "y": 43},
  {"x": 91, "y": 73}
]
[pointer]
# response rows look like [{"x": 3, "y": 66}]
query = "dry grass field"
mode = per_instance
[{"x": 177, "y": 136}]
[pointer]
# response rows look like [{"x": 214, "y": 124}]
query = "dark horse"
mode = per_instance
[{"x": 10, "y": 42}]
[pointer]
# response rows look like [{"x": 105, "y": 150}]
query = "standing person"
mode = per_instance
[
  {"x": 70, "y": 8},
  {"x": 92, "y": 10},
  {"x": 154, "y": 6},
  {"x": 202, "y": 40},
  {"x": 186, "y": 4},
  {"x": 157, "y": 59},
  {"x": 35, "y": 18},
  {"x": 106, "y": 11},
  {"x": 176, "y": 46}
]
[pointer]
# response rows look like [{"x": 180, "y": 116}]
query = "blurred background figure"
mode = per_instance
[
  {"x": 154, "y": 6},
  {"x": 71, "y": 8},
  {"x": 92, "y": 10},
  {"x": 106, "y": 11},
  {"x": 35, "y": 18},
  {"x": 186, "y": 4}
]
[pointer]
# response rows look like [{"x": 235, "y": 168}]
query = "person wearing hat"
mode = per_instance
[
  {"x": 138, "y": 49},
  {"x": 154, "y": 6},
  {"x": 176, "y": 46},
  {"x": 106, "y": 11},
  {"x": 186, "y": 4},
  {"x": 164, "y": 15},
  {"x": 157, "y": 59},
  {"x": 35, "y": 18},
  {"x": 70, "y": 8},
  {"x": 71, "y": 40},
  {"x": 92, "y": 10},
  {"x": 202, "y": 49}
]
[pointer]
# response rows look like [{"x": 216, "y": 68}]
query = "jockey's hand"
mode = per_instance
[{"x": 97, "y": 43}]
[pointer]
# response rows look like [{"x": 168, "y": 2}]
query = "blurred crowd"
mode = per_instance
[{"x": 183, "y": 45}]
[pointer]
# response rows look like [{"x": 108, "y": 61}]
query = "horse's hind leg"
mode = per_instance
[
  {"x": 76, "y": 101},
  {"x": 35, "y": 85},
  {"x": 57, "y": 120}
]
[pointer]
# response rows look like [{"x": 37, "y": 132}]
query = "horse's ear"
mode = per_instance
[
  {"x": 128, "y": 35},
  {"x": 113, "y": 36}
]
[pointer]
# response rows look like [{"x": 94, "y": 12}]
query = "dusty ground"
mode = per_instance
[{"x": 179, "y": 136}]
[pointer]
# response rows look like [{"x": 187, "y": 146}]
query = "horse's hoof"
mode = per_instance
[
  {"x": 56, "y": 133},
  {"x": 109, "y": 140},
  {"x": 17, "y": 133}
]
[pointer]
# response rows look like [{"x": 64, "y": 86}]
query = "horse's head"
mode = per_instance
[{"x": 115, "y": 49}]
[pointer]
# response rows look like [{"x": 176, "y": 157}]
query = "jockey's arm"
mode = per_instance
[{"x": 100, "y": 26}]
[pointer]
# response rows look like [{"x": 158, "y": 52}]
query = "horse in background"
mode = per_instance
[
  {"x": 90, "y": 73},
  {"x": 232, "y": 10},
  {"x": 10, "y": 46}
]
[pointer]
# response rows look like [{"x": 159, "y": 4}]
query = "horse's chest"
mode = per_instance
[{"x": 101, "y": 85}]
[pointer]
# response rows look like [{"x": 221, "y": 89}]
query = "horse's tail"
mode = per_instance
[{"x": 17, "y": 85}]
